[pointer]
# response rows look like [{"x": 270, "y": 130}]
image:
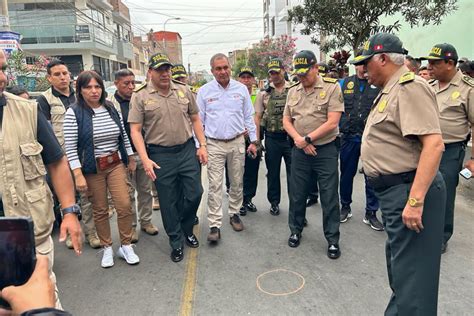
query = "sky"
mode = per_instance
[{"x": 206, "y": 26}]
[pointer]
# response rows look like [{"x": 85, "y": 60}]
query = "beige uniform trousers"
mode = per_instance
[
  {"x": 142, "y": 185},
  {"x": 46, "y": 248},
  {"x": 220, "y": 152}
]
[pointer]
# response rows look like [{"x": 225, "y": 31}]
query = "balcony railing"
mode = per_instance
[{"x": 70, "y": 33}]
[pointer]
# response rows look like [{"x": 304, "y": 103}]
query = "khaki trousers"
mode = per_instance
[
  {"x": 142, "y": 185},
  {"x": 220, "y": 152},
  {"x": 87, "y": 218},
  {"x": 46, "y": 248},
  {"x": 115, "y": 180}
]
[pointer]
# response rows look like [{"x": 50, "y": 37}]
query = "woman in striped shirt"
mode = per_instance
[{"x": 98, "y": 149}]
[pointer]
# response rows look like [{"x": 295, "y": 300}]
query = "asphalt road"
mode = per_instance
[{"x": 254, "y": 272}]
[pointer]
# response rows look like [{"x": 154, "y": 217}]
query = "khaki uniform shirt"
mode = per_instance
[
  {"x": 165, "y": 118},
  {"x": 403, "y": 110},
  {"x": 263, "y": 97},
  {"x": 456, "y": 108},
  {"x": 310, "y": 110}
]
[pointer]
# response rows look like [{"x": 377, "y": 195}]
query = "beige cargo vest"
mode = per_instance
[
  {"x": 58, "y": 112},
  {"x": 114, "y": 101},
  {"x": 22, "y": 172}
]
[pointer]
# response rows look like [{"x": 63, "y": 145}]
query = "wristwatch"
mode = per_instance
[
  {"x": 307, "y": 139},
  {"x": 75, "y": 209},
  {"x": 414, "y": 202},
  {"x": 256, "y": 143},
  {"x": 202, "y": 144}
]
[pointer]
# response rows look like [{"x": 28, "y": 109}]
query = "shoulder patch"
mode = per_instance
[
  {"x": 140, "y": 87},
  {"x": 330, "y": 80},
  {"x": 468, "y": 80},
  {"x": 407, "y": 77},
  {"x": 178, "y": 82}
]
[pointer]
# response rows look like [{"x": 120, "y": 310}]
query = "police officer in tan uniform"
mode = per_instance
[
  {"x": 311, "y": 118},
  {"x": 401, "y": 151},
  {"x": 167, "y": 112},
  {"x": 29, "y": 147},
  {"x": 139, "y": 182},
  {"x": 455, "y": 97},
  {"x": 269, "y": 108},
  {"x": 53, "y": 103}
]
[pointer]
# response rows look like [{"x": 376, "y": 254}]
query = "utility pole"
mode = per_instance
[{"x": 4, "y": 20}]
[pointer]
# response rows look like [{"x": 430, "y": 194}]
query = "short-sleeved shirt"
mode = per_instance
[
  {"x": 456, "y": 108},
  {"x": 309, "y": 110},
  {"x": 45, "y": 107},
  {"x": 52, "y": 151},
  {"x": 165, "y": 118},
  {"x": 401, "y": 112}
]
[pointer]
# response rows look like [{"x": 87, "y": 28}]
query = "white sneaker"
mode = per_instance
[
  {"x": 107, "y": 257},
  {"x": 126, "y": 252}
]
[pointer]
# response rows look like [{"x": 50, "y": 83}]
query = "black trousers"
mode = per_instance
[
  {"x": 277, "y": 147},
  {"x": 325, "y": 166},
  {"x": 178, "y": 179},
  {"x": 413, "y": 259}
]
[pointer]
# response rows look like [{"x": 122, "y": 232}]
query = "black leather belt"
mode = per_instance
[
  {"x": 154, "y": 149},
  {"x": 226, "y": 140},
  {"x": 384, "y": 182}
]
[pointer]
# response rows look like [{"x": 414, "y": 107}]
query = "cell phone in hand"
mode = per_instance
[
  {"x": 466, "y": 173},
  {"x": 17, "y": 252}
]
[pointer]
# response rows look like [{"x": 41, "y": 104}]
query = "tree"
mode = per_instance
[
  {"x": 258, "y": 57},
  {"x": 242, "y": 61},
  {"x": 349, "y": 23}
]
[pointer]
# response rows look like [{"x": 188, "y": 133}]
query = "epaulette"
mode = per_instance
[
  {"x": 407, "y": 77},
  {"x": 293, "y": 85},
  {"x": 468, "y": 80},
  {"x": 431, "y": 81},
  {"x": 140, "y": 87},
  {"x": 330, "y": 80},
  {"x": 178, "y": 82}
]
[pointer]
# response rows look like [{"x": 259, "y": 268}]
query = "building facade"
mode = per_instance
[
  {"x": 276, "y": 23},
  {"x": 170, "y": 43},
  {"x": 85, "y": 34}
]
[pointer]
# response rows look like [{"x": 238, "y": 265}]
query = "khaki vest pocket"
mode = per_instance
[{"x": 31, "y": 160}]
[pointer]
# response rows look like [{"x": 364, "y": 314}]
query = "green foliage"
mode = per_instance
[
  {"x": 283, "y": 47},
  {"x": 349, "y": 23},
  {"x": 242, "y": 61},
  {"x": 31, "y": 77}
]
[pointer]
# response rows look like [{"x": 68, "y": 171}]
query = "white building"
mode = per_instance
[{"x": 275, "y": 23}]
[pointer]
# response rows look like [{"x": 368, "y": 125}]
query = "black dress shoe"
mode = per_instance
[
  {"x": 294, "y": 240},
  {"x": 243, "y": 210},
  {"x": 311, "y": 201},
  {"x": 250, "y": 207},
  {"x": 196, "y": 221},
  {"x": 177, "y": 254},
  {"x": 333, "y": 251},
  {"x": 275, "y": 210},
  {"x": 192, "y": 241}
]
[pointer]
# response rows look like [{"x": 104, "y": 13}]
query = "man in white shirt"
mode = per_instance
[{"x": 227, "y": 113}]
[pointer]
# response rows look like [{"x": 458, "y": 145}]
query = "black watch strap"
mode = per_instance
[
  {"x": 307, "y": 139},
  {"x": 75, "y": 209}
]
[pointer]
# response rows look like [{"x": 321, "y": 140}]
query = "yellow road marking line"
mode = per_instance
[{"x": 190, "y": 276}]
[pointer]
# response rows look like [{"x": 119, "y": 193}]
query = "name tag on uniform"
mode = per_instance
[
  {"x": 149, "y": 101},
  {"x": 349, "y": 91}
]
